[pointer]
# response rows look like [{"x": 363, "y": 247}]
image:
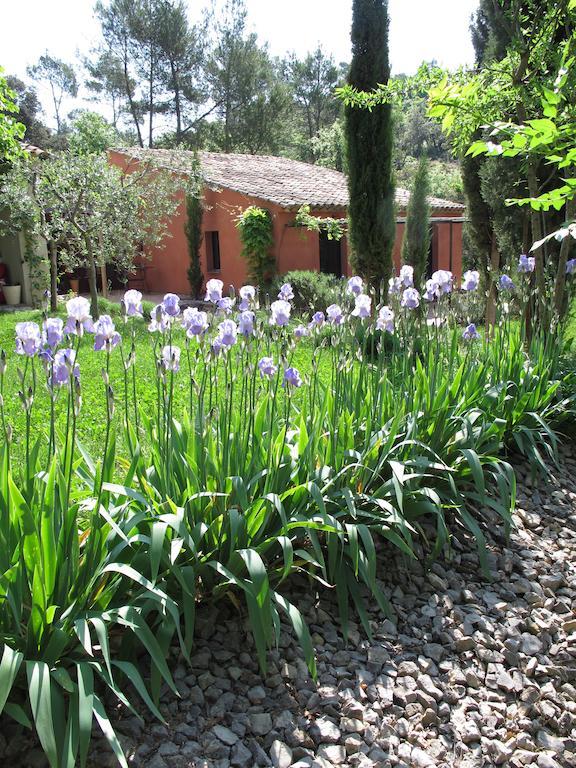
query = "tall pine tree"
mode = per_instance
[
  {"x": 369, "y": 141},
  {"x": 416, "y": 243}
]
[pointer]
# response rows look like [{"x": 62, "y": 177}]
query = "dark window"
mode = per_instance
[
  {"x": 330, "y": 255},
  {"x": 213, "y": 251}
]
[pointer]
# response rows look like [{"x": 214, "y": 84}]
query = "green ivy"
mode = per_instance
[
  {"x": 256, "y": 234},
  {"x": 333, "y": 227}
]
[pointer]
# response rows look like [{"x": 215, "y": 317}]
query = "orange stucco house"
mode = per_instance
[{"x": 232, "y": 182}]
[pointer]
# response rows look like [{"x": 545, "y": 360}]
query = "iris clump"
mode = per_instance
[{"x": 270, "y": 446}]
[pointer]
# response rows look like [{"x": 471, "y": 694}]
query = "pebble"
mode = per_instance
[
  {"x": 225, "y": 735},
  {"x": 469, "y": 673},
  {"x": 260, "y": 723},
  {"x": 280, "y": 754}
]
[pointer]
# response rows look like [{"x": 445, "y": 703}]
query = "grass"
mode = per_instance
[{"x": 92, "y": 424}]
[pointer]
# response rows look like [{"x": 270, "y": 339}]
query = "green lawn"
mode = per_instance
[{"x": 92, "y": 422}]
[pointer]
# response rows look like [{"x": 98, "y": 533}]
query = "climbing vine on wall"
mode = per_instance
[
  {"x": 256, "y": 234},
  {"x": 334, "y": 228}
]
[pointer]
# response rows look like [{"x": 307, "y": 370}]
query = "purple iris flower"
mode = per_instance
[
  {"x": 171, "y": 305},
  {"x": 300, "y": 331},
  {"x": 280, "y": 312},
  {"x": 64, "y": 365},
  {"x": 79, "y": 319},
  {"x": 444, "y": 280},
  {"x": 225, "y": 305},
  {"x": 394, "y": 286},
  {"x": 407, "y": 276},
  {"x": 228, "y": 332},
  {"x": 355, "y": 285},
  {"x": 470, "y": 333},
  {"x": 247, "y": 296},
  {"x": 526, "y": 263},
  {"x": 505, "y": 283},
  {"x": 432, "y": 291},
  {"x": 470, "y": 280},
  {"x": 171, "y": 358},
  {"x": 133, "y": 303},
  {"x": 385, "y": 321},
  {"x": 28, "y": 339},
  {"x": 194, "y": 322},
  {"x": 571, "y": 266},
  {"x": 267, "y": 367},
  {"x": 292, "y": 378},
  {"x": 246, "y": 323},
  {"x": 286, "y": 292},
  {"x": 106, "y": 336},
  {"x": 217, "y": 346},
  {"x": 214, "y": 290},
  {"x": 410, "y": 298},
  {"x": 159, "y": 320},
  {"x": 335, "y": 314},
  {"x": 318, "y": 320},
  {"x": 362, "y": 306},
  {"x": 52, "y": 331}
]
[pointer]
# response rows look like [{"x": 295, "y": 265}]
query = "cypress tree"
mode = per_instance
[
  {"x": 416, "y": 243},
  {"x": 371, "y": 212},
  {"x": 193, "y": 230}
]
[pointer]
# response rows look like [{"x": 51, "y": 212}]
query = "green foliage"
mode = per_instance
[
  {"x": 30, "y": 111},
  {"x": 311, "y": 289},
  {"x": 251, "y": 100},
  {"x": 193, "y": 229},
  {"x": 416, "y": 243},
  {"x": 257, "y": 237},
  {"x": 333, "y": 227},
  {"x": 66, "y": 588},
  {"x": 97, "y": 214},
  {"x": 372, "y": 223},
  {"x": 445, "y": 178},
  {"x": 328, "y": 147},
  {"x": 10, "y": 129},
  {"x": 61, "y": 79},
  {"x": 91, "y": 134}
]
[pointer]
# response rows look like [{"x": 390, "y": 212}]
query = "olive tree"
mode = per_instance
[{"x": 91, "y": 212}]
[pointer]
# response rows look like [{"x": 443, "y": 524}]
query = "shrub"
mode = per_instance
[{"x": 312, "y": 290}]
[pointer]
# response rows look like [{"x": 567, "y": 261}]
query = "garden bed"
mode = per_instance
[{"x": 469, "y": 672}]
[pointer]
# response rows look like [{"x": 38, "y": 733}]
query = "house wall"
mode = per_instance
[{"x": 295, "y": 247}]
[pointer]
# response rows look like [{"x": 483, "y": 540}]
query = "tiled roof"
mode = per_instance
[{"x": 288, "y": 183}]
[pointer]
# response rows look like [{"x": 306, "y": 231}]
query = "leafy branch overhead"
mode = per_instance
[{"x": 11, "y": 130}]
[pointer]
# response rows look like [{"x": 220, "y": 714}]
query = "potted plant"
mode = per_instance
[
  {"x": 12, "y": 294},
  {"x": 73, "y": 282}
]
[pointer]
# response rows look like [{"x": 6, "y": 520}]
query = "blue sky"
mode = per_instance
[{"x": 419, "y": 30}]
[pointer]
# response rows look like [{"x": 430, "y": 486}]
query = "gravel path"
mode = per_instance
[{"x": 472, "y": 672}]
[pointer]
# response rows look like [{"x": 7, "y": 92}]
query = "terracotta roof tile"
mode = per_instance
[{"x": 288, "y": 183}]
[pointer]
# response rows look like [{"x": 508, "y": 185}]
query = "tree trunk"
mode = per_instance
[
  {"x": 53, "y": 276},
  {"x": 491, "y": 296},
  {"x": 130, "y": 99},
  {"x": 92, "y": 278},
  {"x": 151, "y": 99},
  {"x": 560, "y": 282},
  {"x": 537, "y": 234},
  {"x": 177, "y": 106}
]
